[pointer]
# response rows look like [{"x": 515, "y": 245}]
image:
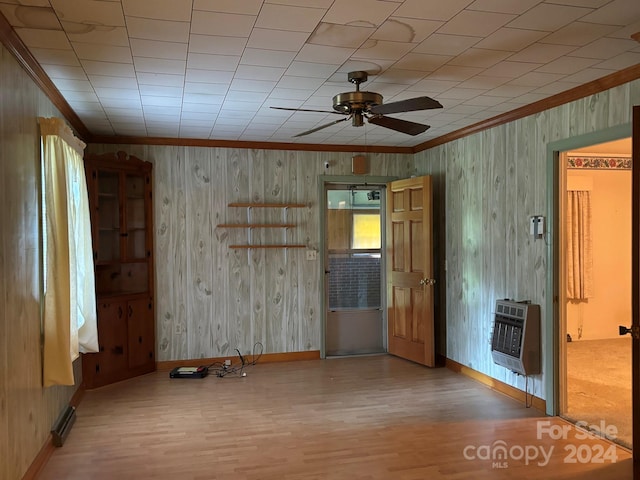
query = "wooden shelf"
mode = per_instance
[
  {"x": 256, "y": 225},
  {"x": 248, "y": 247},
  {"x": 267, "y": 205}
]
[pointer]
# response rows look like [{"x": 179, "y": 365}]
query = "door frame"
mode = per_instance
[
  {"x": 360, "y": 180},
  {"x": 553, "y": 356}
]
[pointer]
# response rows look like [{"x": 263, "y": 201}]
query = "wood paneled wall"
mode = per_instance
[
  {"x": 222, "y": 299},
  {"x": 486, "y": 187},
  {"x": 27, "y": 411}
]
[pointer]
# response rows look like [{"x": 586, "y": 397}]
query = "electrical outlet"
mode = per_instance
[
  {"x": 177, "y": 329},
  {"x": 312, "y": 254},
  {"x": 227, "y": 363}
]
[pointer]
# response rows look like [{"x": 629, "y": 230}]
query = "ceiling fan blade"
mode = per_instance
[
  {"x": 322, "y": 126},
  {"x": 306, "y": 110},
  {"x": 409, "y": 105},
  {"x": 404, "y": 126}
]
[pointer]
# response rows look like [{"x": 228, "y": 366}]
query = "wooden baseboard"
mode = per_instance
[
  {"x": 498, "y": 386},
  {"x": 265, "y": 358},
  {"x": 40, "y": 461}
]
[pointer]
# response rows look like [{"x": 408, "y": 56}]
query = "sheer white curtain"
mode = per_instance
[
  {"x": 69, "y": 316},
  {"x": 579, "y": 246}
]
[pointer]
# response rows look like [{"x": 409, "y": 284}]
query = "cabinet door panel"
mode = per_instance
[
  {"x": 112, "y": 338},
  {"x": 140, "y": 332}
]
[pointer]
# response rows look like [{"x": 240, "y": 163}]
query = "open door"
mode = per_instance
[
  {"x": 635, "y": 290},
  {"x": 410, "y": 270}
]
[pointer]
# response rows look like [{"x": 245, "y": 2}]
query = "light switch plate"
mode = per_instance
[{"x": 312, "y": 254}]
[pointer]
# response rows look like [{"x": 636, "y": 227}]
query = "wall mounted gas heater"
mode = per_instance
[{"x": 515, "y": 340}]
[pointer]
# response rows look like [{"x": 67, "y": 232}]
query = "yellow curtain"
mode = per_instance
[
  {"x": 579, "y": 246},
  {"x": 69, "y": 317}
]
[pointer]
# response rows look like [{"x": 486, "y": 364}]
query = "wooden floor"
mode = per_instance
[{"x": 375, "y": 417}]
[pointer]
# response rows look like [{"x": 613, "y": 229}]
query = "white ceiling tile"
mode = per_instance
[
  {"x": 282, "y": 17},
  {"x": 162, "y": 79},
  {"x": 567, "y": 65},
  {"x": 588, "y": 75},
  {"x": 318, "y": 70},
  {"x": 305, "y": 83},
  {"x": 178, "y": 10},
  {"x": 207, "y": 88},
  {"x": 160, "y": 91},
  {"x": 252, "y": 85},
  {"x": 245, "y": 7},
  {"x": 277, "y": 39},
  {"x": 616, "y": 12},
  {"x": 604, "y": 48},
  {"x": 281, "y": 93},
  {"x": 91, "y": 12},
  {"x": 222, "y": 24},
  {"x": 259, "y": 73},
  {"x": 429, "y": 85},
  {"x": 422, "y": 62},
  {"x": 267, "y": 58},
  {"x": 160, "y": 101},
  {"x": 627, "y": 31},
  {"x": 209, "y": 76},
  {"x": 383, "y": 50},
  {"x": 475, "y": 23},
  {"x": 340, "y": 35},
  {"x": 556, "y": 87},
  {"x": 198, "y": 116},
  {"x": 458, "y": 93},
  {"x": 503, "y": 6},
  {"x": 431, "y": 9},
  {"x": 537, "y": 79},
  {"x": 96, "y": 34},
  {"x": 440, "y": 44},
  {"x": 252, "y": 97},
  {"x": 162, "y": 30},
  {"x": 64, "y": 71},
  {"x": 324, "y": 54},
  {"x": 482, "y": 101},
  {"x": 36, "y": 38},
  {"x": 156, "y": 115},
  {"x": 203, "y": 98},
  {"x": 508, "y": 91},
  {"x": 113, "y": 82},
  {"x": 63, "y": 84},
  {"x": 119, "y": 93},
  {"x": 108, "y": 69},
  {"x": 620, "y": 62},
  {"x": 541, "y": 53},
  {"x": 400, "y": 29},
  {"x": 203, "y": 61},
  {"x": 456, "y": 73},
  {"x": 511, "y": 69},
  {"x": 400, "y": 76},
  {"x": 43, "y": 17},
  {"x": 578, "y": 34},
  {"x": 511, "y": 39},
  {"x": 157, "y": 49},
  {"x": 159, "y": 65},
  {"x": 105, "y": 53},
  {"x": 200, "y": 108},
  {"x": 372, "y": 65},
  {"x": 549, "y": 17},
  {"x": 483, "y": 82},
  {"x": 479, "y": 57},
  {"x": 370, "y": 13},
  {"x": 121, "y": 103}
]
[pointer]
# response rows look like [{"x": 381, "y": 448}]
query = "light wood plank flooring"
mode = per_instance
[{"x": 376, "y": 417}]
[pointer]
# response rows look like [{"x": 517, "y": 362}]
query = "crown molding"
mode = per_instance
[
  {"x": 19, "y": 50},
  {"x": 596, "y": 86}
]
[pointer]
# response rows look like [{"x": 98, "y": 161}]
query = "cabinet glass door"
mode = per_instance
[
  {"x": 108, "y": 216},
  {"x": 135, "y": 217}
]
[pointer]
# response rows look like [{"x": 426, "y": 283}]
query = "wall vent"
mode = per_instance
[
  {"x": 515, "y": 340},
  {"x": 62, "y": 427}
]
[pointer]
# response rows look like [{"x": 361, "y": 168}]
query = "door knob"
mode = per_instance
[
  {"x": 427, "y": 281},
  {"x": 634, "y": 331}
]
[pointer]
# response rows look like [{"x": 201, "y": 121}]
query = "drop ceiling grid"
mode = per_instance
[{"x": 212, "y": 68}]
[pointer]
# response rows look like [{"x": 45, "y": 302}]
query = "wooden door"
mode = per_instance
[
  {"x": 410, "y": 270},
  {"x": 635, "y": 290}
]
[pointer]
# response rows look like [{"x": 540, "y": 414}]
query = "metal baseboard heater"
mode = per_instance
[
  {"x": 62, "y": 427},
  {"x": 515, "y": 340}
]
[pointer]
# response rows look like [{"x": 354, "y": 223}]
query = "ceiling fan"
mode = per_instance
[{"x": 360, "y": 105}]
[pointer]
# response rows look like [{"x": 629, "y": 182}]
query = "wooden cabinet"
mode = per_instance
[{"x": 120, "y": 199}]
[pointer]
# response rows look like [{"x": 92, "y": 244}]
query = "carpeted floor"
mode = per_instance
[{"x": 599, "y": 384}]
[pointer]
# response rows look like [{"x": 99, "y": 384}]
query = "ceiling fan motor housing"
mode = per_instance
[{"x": 349, "y": 102}]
